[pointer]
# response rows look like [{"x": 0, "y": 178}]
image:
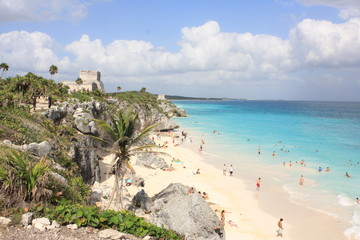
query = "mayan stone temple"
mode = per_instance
[{"x": 91, "y": 80}]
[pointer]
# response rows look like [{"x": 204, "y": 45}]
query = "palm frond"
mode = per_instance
[
  {"x": 103, "y": 125},
  {"x": 142, "y": 147},
  {"x": 144, "y": 133}
]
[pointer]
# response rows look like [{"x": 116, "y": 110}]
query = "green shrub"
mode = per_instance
[
  {"x": 23, "y": 178},
  {"x": 123, "y": 221}
]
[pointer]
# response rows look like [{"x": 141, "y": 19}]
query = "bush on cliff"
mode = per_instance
[{"x": 23, "y": 179}]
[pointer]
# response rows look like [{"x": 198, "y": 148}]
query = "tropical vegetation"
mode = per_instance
[
  {"x": 5, "y": 67},
  {"x": 123, "y": 221},
  {"x": 53, "y": 70},
  {"x": 26, "y": 180},
  {"x": 123, "y": 139}
]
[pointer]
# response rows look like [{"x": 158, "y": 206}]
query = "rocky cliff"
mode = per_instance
[{"x": 84, "y": 149}]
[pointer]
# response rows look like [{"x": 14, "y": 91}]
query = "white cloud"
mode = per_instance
[
  {"x": 348, "y": 8},
  {"x": 27, "y": 51},
  {"x": 43, "y": 10},
  {"x": 325, "y": 44},
  {"x": 207, "y": 57},
  {"x": 204, "y": 49}
]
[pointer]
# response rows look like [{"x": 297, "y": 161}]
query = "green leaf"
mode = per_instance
[
  {"x": 67, "y": 217},
  {"x": 114, "y": 220},
  {"x": 95, "y": 220},
  {"x": 78, "y": 222},
  {"x": 39, "y": 208},
  {"x": 129, "y": 224}
]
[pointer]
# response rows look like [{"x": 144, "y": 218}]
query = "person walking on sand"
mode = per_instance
[
  {"x": 224, "y": 170},
  {"x": 301, "y": 182},
  {"x": 281, "y": 229},
  {"x": 231, "y": 170},
  {"x": 258, "y": 182}
]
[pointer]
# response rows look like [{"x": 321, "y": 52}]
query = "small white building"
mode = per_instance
[{"x": 91, "y": 81}]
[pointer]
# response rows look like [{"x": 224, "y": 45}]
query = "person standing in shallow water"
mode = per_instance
[
  {"x": 258, "y": 182},
  {"x": 301, "y": 182}
]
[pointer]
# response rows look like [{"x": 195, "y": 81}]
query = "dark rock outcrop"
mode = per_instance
[
  {"x": 84, "y": 154},
  {"x": 141, "y": 200},
  {"x": 56, "y": 114},
  {"x": 186, "y": 214}
]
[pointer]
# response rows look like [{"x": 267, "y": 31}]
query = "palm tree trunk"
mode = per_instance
[{"x": 113, "y": 191}]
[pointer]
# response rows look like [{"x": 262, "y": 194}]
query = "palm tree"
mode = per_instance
[
  {"x": 52, "y": 70},
  {"x": 122, "y": 134},
  {"x": 79, "y": 81},
  {"x": 118, "y": 88},
  {"x": 5, "y": 67}
]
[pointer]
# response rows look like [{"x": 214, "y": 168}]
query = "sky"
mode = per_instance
[{"x": 263, "y": 49}]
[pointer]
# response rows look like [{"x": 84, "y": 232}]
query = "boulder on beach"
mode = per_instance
[
  {"x": 151, "y": 160},
  {"x": 186, "y": 214},
  {"x": 141, "y": 200}
]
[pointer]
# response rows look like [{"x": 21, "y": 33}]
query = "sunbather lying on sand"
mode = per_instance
[
  {"x": 232, "y": 223},
  {"x": 171, "y": 168}
]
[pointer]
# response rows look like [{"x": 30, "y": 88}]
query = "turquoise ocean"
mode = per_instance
[{"x": 323, "y": 134}]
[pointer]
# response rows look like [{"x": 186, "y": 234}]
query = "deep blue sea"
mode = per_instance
[{"x": 323, "y": 134}]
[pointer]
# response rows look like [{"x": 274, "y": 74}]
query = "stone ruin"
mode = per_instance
[{"x": 91, "y": 82}]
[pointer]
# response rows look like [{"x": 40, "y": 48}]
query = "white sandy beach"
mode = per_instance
[{"x": 255, "y": 213}]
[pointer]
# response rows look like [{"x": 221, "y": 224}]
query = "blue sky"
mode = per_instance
[{"x": 264, "y": 49}]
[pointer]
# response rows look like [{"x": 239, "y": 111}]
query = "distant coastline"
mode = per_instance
[{"x": 175, "y": 97}]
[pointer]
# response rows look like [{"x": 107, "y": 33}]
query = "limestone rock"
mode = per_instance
[
  {"x": 56, "y": 114},
  {"x": 4, "y": 221},
  {"x": 95, "y": 197},
  {"x": 138, "y": 181},
  {"x": 55, "y": 224},
  {"x": 186, "y": 214},
  {"x": 151, "y": 160},
  {"x": 82, "y": 121},
  {"x": 141, "y": 200},
  {"x": 26, "y": 218},
  {"x": 59, "y": 179},
  {"x": 84, "y": 154},
  {"x": 39, "y": 149},
  {"x": 7, "y": 142},
  {"x": 40, "y": 223},
  {"x": 111, "y": 234},
  {"x": 72, "y": 226}
]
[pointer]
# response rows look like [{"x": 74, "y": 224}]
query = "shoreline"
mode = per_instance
[
  {"x": 255, "y": 213},
  {"x": 272, "y": 203},
  {"x": 310, "y": 223}
]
